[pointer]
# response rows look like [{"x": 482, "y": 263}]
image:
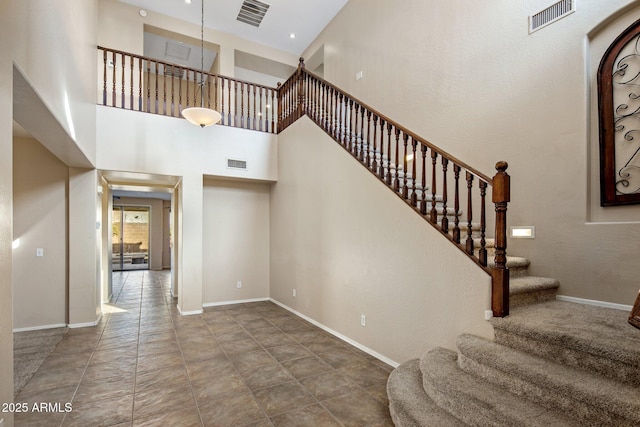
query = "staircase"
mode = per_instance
[{"x": 552, "y": 363}]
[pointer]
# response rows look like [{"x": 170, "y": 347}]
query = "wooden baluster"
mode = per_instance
[
  {"x": 254, "y": 94},
  {"x": 229, "y": 90},
  {"x": 353, "y": 142},
  {"x": 208, "y": 91},
  {"x": 444, "y": 225},
  {"x": 157, "y": 99},
  {"x": 381, "y": 166},
  {"x": 374, "y": 162},
  {"x": 235, "y": 109},
  {"x": 140, "y": 83},
  {"x": 104, "y": 77},
  {"x": 222, "y": 112},
  {"x": 131, "y": 81},
  {"x": 186, "y": 91},
  {"x": 173, "y": 92},
  {"x": 366, "y": 144},
  {"x": 364, "y": 152},
  {"x": 388, "y": 178},
  {"x": 456, "y": 207},
  {"x": 351, "y": 132},
  {"x": 370, "y": 151},
  {"x": 122, "y": 96},
  {"x": 148, "y": 86},
  {"x": 273, "y": 109},
  {"x": 405, "y": 194},
  {"x": 114, "y": 59},
  {"x": 341, "y": 121},
  {"x": 242, "y": 122},
  {"x": 396, "y": 180},
  {"x": 164, "y": 90},
  {"x": 336, "y": 123},
  {"x": 469, "y": 214},
  {"x": 261, "y": 115},
  {"x": 423, "y": 202},
  {"x": 414, "y": 195},
  {"x": 482, "y": 255},
  {"x": 433, "y": 214},
  {"x": 500, "y": 273}
]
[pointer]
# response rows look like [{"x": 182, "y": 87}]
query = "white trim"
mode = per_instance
[
  {"x": 38, "y": 328},
  {"x": 241, "y": 301},
  {"x": 188, "y": 313},
  {"x": 338, "y": 335},
  {"x": 594, "y": 302},
  {"x": 85, "y": 325}
]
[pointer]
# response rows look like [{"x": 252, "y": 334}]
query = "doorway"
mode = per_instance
[{"x": 130, "y": 237}]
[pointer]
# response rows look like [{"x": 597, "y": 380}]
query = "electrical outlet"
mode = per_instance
[
  {"x": 359, "y": 75},
  {"x": 294, "y": 292},
  {"x": 363, "y": 320},
  {"x": 239, "y": 284}
]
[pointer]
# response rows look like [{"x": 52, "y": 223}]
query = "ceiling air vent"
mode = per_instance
[
  {"x": 252, "y": 12},
  {"x": 170, "y": 70},
  {"x": 551, "y": 14},
  {"x": 236, "y": 164}
]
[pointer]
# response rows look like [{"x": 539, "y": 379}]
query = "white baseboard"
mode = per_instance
[
  {"x": 39, "y": 328},
  {"x": 338, "y": 335},
  {"x": 241, "y": 301},
  {"x": 85, "y": 325},
  {"x": 594, "y": 302},
  {"x": 188, "y": 313}
]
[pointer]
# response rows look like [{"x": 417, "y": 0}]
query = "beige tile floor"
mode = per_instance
[{"x": 250, "y": 364}]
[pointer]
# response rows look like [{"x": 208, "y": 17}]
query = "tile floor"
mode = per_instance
[{"x": 250, "y": 364}]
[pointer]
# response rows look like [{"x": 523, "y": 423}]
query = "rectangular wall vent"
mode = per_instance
[
  {"x": 252, "y": 12},
  {"x": 551, "y": 14},
  {"x": 236, "y": 164},
  {"x": 170, "y": 70}
]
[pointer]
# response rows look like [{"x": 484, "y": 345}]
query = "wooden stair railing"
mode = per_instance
[
  {"x": 139, "y": 83},
  {"x": 413, "y": 168},
  {"x": 421, "y": 174}
]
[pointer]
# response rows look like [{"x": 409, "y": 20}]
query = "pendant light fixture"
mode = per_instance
[{"x": 201, "y": 116}]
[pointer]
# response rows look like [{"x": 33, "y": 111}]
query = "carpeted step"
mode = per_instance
[
  {"x": 591, "y": 399},
  {"x": 531, "y": 290},
  {"x": 477, "y": 402},
  {"x": 594, "y": 339},
  {"x": 409, "y": 404},
  {"x": 517, "y": 266}
]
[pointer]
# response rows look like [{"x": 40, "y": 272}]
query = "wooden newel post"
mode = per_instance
[
  {"x": 500, "y": 273},
  {"x": 301, "y": 87}
]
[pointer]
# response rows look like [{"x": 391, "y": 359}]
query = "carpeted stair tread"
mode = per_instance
[
  {"x": 530, "y": 289},
  {"x": 409, "y": 404},
  {"x": 477, "y": 402},
  {"x": 590, "y": 398},
  {"x": 593, "y": 338}
]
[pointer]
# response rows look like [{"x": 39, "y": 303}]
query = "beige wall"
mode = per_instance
[
  {"x": 55, "y": 50},
  {"x": 40, "y": 221},
  {"x": 349, "y": 246},
  {"x": 236, "y": 241},
  {"x": 6, "y": 209},
  {"x": 469, "y": 78}
]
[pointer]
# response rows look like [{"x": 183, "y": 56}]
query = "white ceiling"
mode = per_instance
[{"x": 304, "y": 18}]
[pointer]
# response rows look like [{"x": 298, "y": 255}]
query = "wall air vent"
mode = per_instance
[
  {"x": 237, "y": 164},
  {"x": 551, "y": 14},
  {"x": 252, "y": 12}
]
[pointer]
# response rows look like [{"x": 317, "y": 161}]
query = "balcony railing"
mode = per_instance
[{"x": 138, "y": 83}]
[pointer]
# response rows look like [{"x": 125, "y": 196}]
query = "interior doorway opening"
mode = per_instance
[{"x": 130, "y": 237}]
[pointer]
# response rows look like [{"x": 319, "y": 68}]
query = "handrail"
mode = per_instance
[
  {"x": 142, "y": 83},
  {"x": 398, "y": 157}
]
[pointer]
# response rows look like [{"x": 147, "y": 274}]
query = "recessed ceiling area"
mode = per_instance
[
  {"x": 306, "y": 19},
  {"x": 174, "y": 48}
]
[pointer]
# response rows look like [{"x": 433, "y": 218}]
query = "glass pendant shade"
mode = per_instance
[{"x": 201, "y": 116}]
